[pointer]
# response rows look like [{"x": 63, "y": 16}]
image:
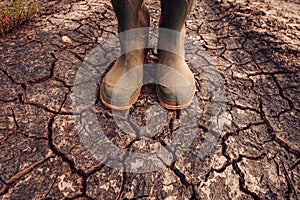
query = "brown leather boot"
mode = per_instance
[
  {"x": 121, "y": 86},
  {"x": 177, "y": 83}
]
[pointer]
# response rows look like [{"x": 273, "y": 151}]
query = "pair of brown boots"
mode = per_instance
[{"x": 121, "y": 86}]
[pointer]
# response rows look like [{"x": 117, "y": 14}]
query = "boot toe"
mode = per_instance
[
  {"x": 175, "y": 100},
  {"x": 118, "y": 98},
  {"x": 122, "y": 94}
]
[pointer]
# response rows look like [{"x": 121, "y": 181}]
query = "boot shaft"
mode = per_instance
[
  {"x": 174, "y": 13},
  {"x": 133, "y": 22},
  {"x": 172, "y": 26},
  {"x": 131, "y": 14}
]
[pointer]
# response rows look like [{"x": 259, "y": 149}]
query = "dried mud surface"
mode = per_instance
[{"x": 255, "y": 46}]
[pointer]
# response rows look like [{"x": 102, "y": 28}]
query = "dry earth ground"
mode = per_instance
[{"x": 255, "y": 46}]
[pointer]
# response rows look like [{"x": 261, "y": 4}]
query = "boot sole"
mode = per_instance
[{"x": 171, "y": 106}]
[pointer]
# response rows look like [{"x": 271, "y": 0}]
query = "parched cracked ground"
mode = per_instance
[{"x": 255, "y": 47}]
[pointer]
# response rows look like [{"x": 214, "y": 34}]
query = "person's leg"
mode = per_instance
[
  {"x": 179, "y": 89},
  {"x": 115, "y": 92}
]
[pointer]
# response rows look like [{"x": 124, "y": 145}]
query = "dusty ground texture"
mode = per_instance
[{"x": 255, "y": 47}]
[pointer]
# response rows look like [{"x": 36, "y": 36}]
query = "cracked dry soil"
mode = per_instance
[{"x": 255, "y": 46}]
